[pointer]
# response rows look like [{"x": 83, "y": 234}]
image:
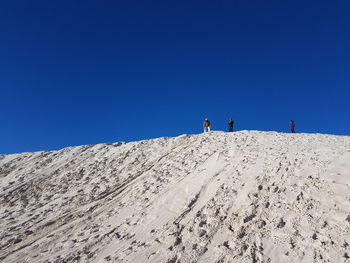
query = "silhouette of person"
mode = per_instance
[
  {"x": 230, "y": 125},
  {"x": 206, "y": 125},
  {"x": 292, "y": 126}
]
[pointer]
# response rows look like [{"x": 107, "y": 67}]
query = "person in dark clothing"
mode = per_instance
[
  {"x": 230, "y": 125},
  {"x": 292, "y": 126}
]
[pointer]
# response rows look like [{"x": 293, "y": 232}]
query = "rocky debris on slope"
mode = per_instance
[{"x": 215, "y": 197}]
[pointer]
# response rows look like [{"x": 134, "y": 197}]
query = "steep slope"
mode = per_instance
[{"x": 218, "y": 197}]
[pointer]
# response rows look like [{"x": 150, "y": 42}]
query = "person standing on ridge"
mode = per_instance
[
  {"x": 230, "y": 125},
  {"x": 206, "y": 125},
  {"x": 292, "y": 126}
]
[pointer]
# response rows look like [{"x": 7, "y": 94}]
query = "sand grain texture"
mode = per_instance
[{"x": 219, "y": 197}]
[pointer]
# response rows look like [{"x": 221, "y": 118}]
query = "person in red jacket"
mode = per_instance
[{"x": 292, "y": 126}]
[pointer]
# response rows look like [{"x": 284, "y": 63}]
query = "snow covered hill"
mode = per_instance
[{"x": 247, "y": 196}]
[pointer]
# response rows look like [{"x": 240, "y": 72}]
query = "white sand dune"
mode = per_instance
[{"x": 219, "y": 197}]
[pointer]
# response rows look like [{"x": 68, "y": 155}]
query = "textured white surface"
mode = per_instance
[{"x": 247, "y": 196}]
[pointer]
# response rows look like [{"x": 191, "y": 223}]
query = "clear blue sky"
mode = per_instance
[{"x": 85, "y": 72}]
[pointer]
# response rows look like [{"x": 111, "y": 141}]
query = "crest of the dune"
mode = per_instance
[{"x": 246, "y": 196}]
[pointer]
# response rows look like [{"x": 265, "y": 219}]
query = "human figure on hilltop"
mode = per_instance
[
  {"x": 206, "y": 125},
  {"x": 230, "y": 125},
  {"x": 292, "y": 126}
]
